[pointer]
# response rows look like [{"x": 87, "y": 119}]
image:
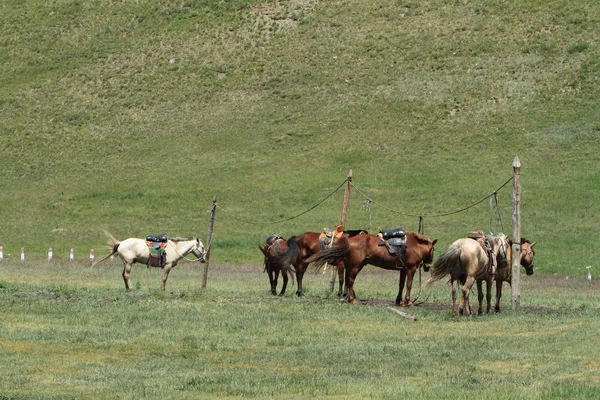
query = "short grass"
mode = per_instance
[{"x": 73, "y": 332}]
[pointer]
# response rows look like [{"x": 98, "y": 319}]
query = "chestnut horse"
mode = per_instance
[
  {"x": 358, "y": 251},
  {"x": 466, "y": 261},
  {"x": 272, "y": 249},
  {"x": 299, "y": 249}
]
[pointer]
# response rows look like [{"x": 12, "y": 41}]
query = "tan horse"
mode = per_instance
[
  {"x": 465, "y": 262},
  {"x": 505, "y": 274},
  {"x": 503, "y": 260},
  {"x": 135, "y": 250}
]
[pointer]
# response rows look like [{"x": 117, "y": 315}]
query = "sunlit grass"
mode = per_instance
[{"x": 86, "y": 337}]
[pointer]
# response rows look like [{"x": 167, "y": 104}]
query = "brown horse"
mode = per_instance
[
  {"x": 358, "y": 251},
  {"x": 299, "y": 249},
  {"x": 466, "y": 261},
  {"x": 273, "y": 262},
  {"x": 505, "y": 274}
]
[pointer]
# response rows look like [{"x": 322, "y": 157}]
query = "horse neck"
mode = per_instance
[
  {"x": 418, "y": 248},
  {"x": 184, "y": 247}
]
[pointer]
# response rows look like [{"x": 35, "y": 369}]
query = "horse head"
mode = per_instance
[
  {"x": 199, "y": 251},
  {"x": 527, "y": 254},
  {"x": 428, "y": 258}
]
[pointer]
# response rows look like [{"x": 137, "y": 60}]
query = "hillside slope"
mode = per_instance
[{"x": 131, "y": 116}]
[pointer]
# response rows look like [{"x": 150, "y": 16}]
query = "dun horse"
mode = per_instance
[
  {"x": 299, "y": 249},
  {"x": 466, "y": 262},
  {"x": 505, "y": 274},
  {"x": 272, "y": 249},
  {"x": 358, "y": 251},
  {"x": 503, "y": 259},
  {"x": 135, "y": 250}
]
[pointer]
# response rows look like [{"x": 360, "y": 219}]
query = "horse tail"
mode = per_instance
[
  {"x": 332, "y": 255},
  {"x": 114, "y": 243},
  {"x": 263, "y": 249},
  {"x": 444, "y": 265},
  {"x": 114, "y": 251}
]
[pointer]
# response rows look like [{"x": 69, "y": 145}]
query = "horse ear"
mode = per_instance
[
  {"x": 533, "y": 244},
  {"x": 434, "y": 242}
]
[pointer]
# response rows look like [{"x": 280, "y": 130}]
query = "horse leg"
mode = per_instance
[
  {"x": 350, "y": 279},
  {"x": 488, "y": 293},
  {"x": 466, "y": 290},
  {"x": 498, "y": 294},
  {"x": 284, "y": 276},
  {"x": 410, "y": 275},
  {"x": 274, "y": 281},
  {"x": 480, "y": 296},
  {"x": 454, "y": 291},
  {"x": 167, "y": 268},
  {"x": 340, "y": 279},
  {"x": 299, "y": 274},
  {"x": 401, "y": 283},
  {"x": 126, "y": 275},
  {"x": 270, "y": 274}
]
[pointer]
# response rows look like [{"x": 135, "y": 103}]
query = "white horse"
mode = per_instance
[{"x": 135, "y": 250}]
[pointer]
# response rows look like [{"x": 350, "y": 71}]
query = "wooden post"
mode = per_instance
[
  {"x": 515, "y": 280},
  {"x": 342, "y": 224},
  {"x": 209, "y": 241}
]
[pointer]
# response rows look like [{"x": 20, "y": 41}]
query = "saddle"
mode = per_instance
[
  {"x": 273, "y": 238},
  {"x": 157, "y": 244},
  {"x": 480, "y": 238},
  {"x": 395, "y": 242},
  {"x": 328, "y": 235}
]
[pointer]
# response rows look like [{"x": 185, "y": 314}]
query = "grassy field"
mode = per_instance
[
  {"x": 131, "y": 116},
  {"x": 73, "y": 332}
]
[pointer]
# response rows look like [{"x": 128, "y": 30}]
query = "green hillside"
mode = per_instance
[{"x": 129, "y": 116}]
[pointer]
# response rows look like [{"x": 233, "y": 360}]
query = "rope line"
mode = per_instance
[
  {"x": 421, "y": 216},
  {"x": 286, "y": 219}
]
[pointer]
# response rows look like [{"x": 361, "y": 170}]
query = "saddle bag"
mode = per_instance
[
  {"x": 392, "y": 233},
  {"x": 273, "y": 238},
  {"x": 157, "y": 238}
]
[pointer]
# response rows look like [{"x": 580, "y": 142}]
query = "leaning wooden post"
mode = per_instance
[
  {"x": 516, "y": 237},
  {"x": 342, "y": 224},
  {"x": 209, "y": 241}
]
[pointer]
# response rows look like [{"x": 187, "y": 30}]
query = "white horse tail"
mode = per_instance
[
  {"x": 111, "y": 239},
  {"x": 115, "y": 247},
  {"x": 445, "y": 265}
]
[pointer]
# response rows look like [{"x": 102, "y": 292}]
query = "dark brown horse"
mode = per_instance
[
  {"x": 299, "y": 249},
  {"x": 505, "y": 274},
  {"x": 273, "y": 263},
  {"x": 358, "y": 251}
]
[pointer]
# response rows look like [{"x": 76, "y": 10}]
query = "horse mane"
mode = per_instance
[
  {"x": 182, "y": 239},
  {"x": 419, "y": 237}
]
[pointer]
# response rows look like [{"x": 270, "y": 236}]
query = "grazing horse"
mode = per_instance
[
  {"x": 135, "y": 250},
  {"x": 504, "y": 274},
  {"x": 466, "y": 261},
  {"x": 358, "y": 251},
  {"x": 272, "y": 249},
  {"x": 299, "y": 249}
]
